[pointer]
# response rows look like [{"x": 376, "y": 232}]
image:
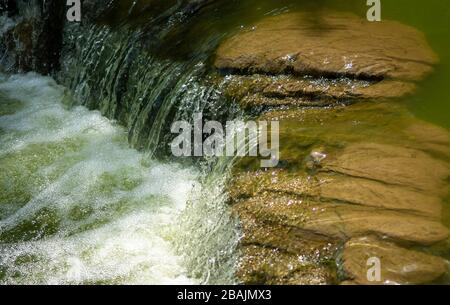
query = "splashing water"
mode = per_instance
[{"x": 77, "y": 205}]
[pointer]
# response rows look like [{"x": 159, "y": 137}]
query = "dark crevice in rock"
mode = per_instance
[
  {"x": 338, "y": 172},
  {"x": 9, "y": 6},
  {"x": 35, "y": 42},
  {"x": 326, "y": 200},
  {"x": 289, "y": 71},
  {"x": 50, "y": 39}
]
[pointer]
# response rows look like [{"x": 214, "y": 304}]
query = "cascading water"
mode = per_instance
[
  {"x": 91, "y": 211},
  {"x": 113, "y": 70},
  {"x": 77, "y": 204}
]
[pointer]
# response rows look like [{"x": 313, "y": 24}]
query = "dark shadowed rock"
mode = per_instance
[
  {"x": 376, "y": 194},
  {"x": 35, "y": 42}
]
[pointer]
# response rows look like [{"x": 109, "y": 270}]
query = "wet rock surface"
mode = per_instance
[
  {"x": 34, "y": 43},
  {"x": 364, "y": 185},
  {"x": 329, "y": 44},
  {"x": 358, "y": 174},
  {"x": 323, "y": 59},
  {"x": 275, "y": 91},
  {"x": 400, "y": 266}
]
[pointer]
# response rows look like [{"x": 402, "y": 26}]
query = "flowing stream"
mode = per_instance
[
  {"x": 89, "y": 192},
  {"x": 79, "y": 206}
]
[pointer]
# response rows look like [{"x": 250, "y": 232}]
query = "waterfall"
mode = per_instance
[
  {"x": 102, "y": 209},
  {"x": 111, "y": 70}
]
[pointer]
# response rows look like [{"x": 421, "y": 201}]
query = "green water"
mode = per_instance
[{"x": 432, "y": 102}]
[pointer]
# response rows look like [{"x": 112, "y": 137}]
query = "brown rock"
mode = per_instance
[
  {"x": 338, "y": 186},
  {"x": 345, "y": 221},
  {"x": 258, "y": 89},
  {"x": 393, "y": 165},
  {"x": 340, "y": 176},
  {"x": 286, "y": 231},
  {"x": 398, "y": 265},
  {"x": 267, "y": 266},
  {"x": 371, "y": 193},
  {"x": 292, "y": 60},
  {"x": 331, "y": 44},
  {"x": 336, "y": 127},
  {"x": 341, "y": 221},
  {"x": 265, "y": 232}
]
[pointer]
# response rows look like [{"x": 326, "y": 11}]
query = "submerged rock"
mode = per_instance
[
  {"x": 342, "y": 178},
  {"x": 295, "y": 201},
  {"x": 275, "y": 267},
  {"x": 256, "y": 90},
  {"x": 116, "y": 11},
  {"x": 392, "y": 165},
  {"x": 298, "y": 214},
  {"x": 368, "y": 169},
  {"x": 398, "y": 265}
]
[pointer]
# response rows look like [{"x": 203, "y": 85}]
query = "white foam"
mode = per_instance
[
  {"x": 130, "y": 210},
  {"x": 6, "y": 23}
]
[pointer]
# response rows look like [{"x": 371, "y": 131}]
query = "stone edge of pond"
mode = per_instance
[{"x": 379, "y": 190}]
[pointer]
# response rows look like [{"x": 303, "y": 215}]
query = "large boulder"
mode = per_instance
[{"x": 289, "y": 215}]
